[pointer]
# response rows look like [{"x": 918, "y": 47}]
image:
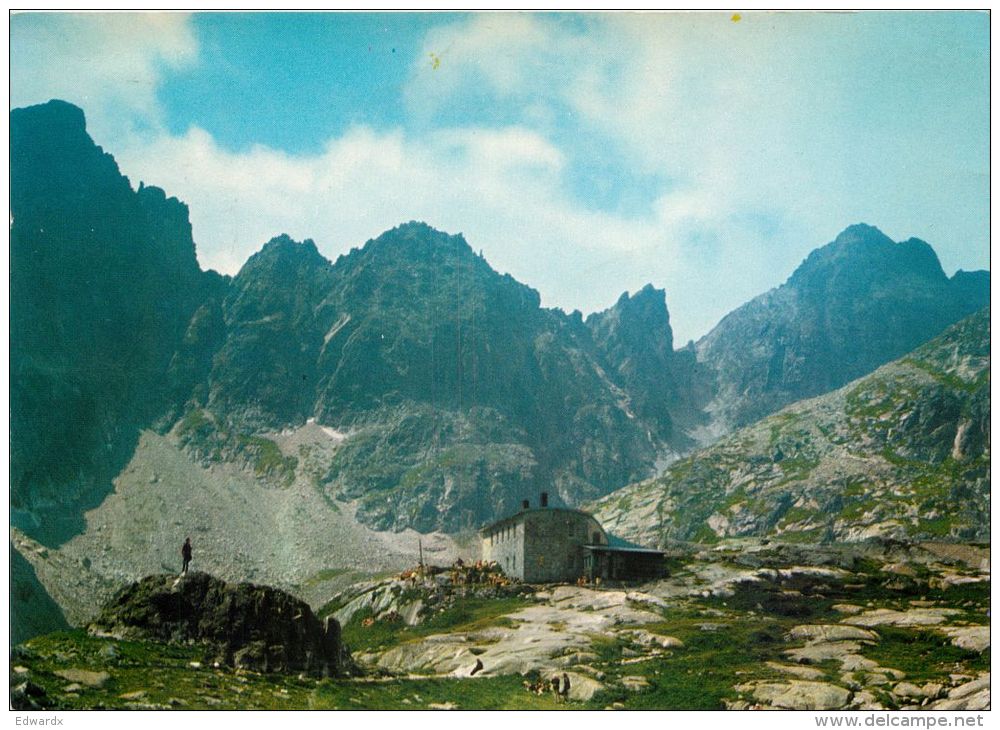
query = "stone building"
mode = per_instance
[{"x": 561, "y": 545}]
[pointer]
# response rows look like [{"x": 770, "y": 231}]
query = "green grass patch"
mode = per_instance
[
  {"x": 949, "y": 380},
  {"x": 924, "y": 655},
  {"x": 195, "y": 423},
  {"x": 702, "y": 674},
  {"x": 268, "y": 459},
  {"x": 325, "y": 575}
]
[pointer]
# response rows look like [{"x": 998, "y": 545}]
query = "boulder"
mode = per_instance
[
  {"x": 796, "y": 670},
  {"x": 252, "y": 627},
  {"x": 910, "y": 617},
  {"x": 635, "y": 683},
  {"x": 834, "y": 632},
  {"x": 582, "y": 687},
  {"x": 798, "y": 695},
  {"x": 84, "y": 677},
  {"x": 972, "y": 638},
  {"x": 865, "y": 700},
  {"x": 848, "y": 608},
  {"x": 974, "y": 695},
  {"x": 647, "y": 638},
  {"x": 931, "y": 690},
  {"x": 820, "y": 651}
]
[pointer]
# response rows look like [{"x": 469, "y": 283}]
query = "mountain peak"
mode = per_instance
[
  {"x": 418, "y": 240},
  {"x": 415, "y": 229},
  {"x": 852, "y": 305},
  {"x": 415, "y": 246},
  {"x": 286, "y": 244},
  {"x": 637, "y": 343},
  {"x": 648, "y": 295},
  {"x": 282, "y": 257},
  {"x": 56, "y": 117},
  {"x": 861, "y": 232},
  {"x": 52, "y": 156},
  {"x": 647, "y": 309},
  {"x": 862, "y": 254}
]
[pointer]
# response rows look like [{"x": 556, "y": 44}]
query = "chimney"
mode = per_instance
[
  {"x": 545, "y": 499},
  {"x": 525, "y": 504}
]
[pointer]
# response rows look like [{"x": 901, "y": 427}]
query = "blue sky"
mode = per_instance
[{"x": 584, "y": 154}]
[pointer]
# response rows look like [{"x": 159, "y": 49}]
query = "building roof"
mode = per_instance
[{"x": 517, "y": 515}]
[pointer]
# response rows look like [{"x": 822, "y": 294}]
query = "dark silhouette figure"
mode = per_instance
[
  {"x": 186, "y": 554},
  {"x": 564, "y": 689}
]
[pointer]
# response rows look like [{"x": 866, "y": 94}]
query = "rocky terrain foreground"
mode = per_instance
[
  {"x": 744, "y": 625},
  {"x": 249, "y": 626}
]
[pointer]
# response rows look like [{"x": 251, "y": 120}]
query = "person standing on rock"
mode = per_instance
[{"x": 186, "y": 554}]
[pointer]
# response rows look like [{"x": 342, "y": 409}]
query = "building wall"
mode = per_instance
[
  {"x": 505, "y": 545},
  {"x": 543, "y": 545},
  {"x": 553, "y": 544}
]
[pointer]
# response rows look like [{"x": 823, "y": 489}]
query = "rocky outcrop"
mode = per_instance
[
  {"x": 973, "y": 695},
  {"x": 972, "y": 638},
  {"x": 248, "y": 626},
  {"x": 798, "y": 695},
  {"x": 636, "y": 341},
  {"x": 554, "y": 635}
]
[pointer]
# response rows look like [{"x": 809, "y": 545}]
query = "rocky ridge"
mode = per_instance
[
  {"x": 902, "y": 453},
  {"x": 457, "y": 392},
  {"x": 851, "y": 306},
  {"x": 104, "y": 281}
]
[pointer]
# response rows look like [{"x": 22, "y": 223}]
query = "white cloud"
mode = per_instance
[
  {"x": 502, "y": 48},
  {"x": 503, "y": 188},
  {"x": 774, "y": 132},
  {"x": 110, "y": 64},
  {"x": 507, "y": 187},
  {"x": 680, "y": 97},
  {"x": 745, "y": 129}
]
